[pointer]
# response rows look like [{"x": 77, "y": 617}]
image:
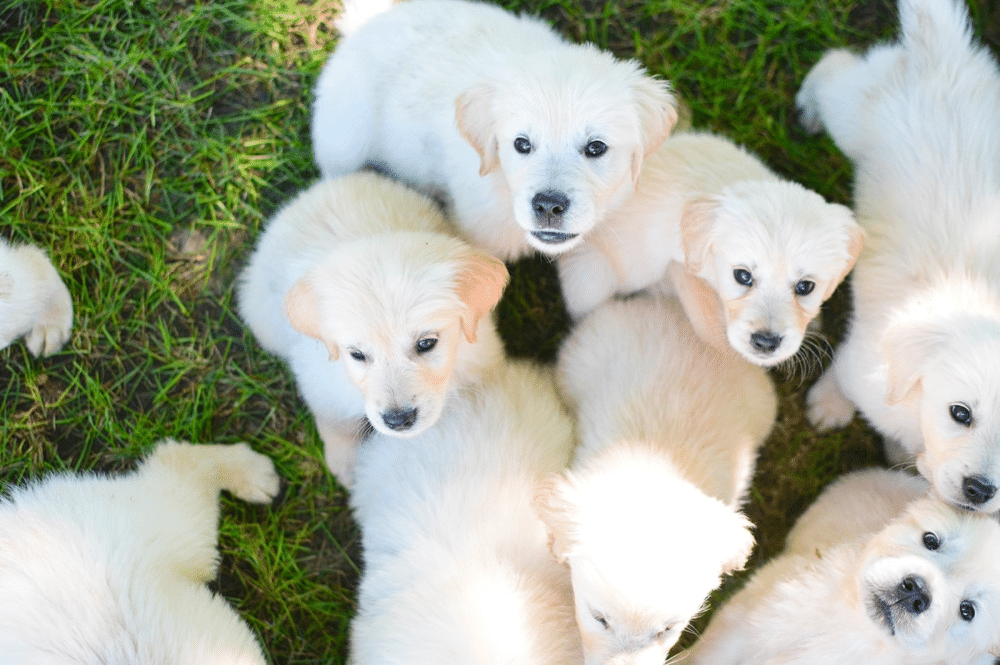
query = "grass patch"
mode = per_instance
[{"x": 144, "y": 144}]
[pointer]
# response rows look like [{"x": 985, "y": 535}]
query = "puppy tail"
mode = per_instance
[
  {"x": 934, "y": 29},
  {"x": 355, "y": 13}
]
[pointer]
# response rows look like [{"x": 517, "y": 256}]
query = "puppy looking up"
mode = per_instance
[
  {"x": 378, "y": 310},
  {"x": 751, "y": 257},
  {"x": 34, "y": 302},
  {"x": 867, "y": 579},
  {"x": 456, "y": 564},
  {"x": 112, "y": 570},
  {"x": 530, "y": 140},
  {"x": 920, "y": 120},
  {"x": 646, "y": 518}
]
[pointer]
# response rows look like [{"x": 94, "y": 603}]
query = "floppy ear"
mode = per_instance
[
  {"x": 697, "y": 220},
  {"x": 657, "y": 117},
  {"x": 480, "y": 286},
  {"x": 556, "y": 512},
  {"x": 855, "y": 244},
  {"x": 302, "y": 309},
  {"x": 702, "y": 306},
  {"x": 903, "y": 347},
  {"x": 476, "y": 123}
]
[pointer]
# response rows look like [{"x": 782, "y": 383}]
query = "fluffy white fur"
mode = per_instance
[
  {"x": 34, "y": 302},
  {"x": 705, "y": 208},
  {"x": 646, "y": 518},
  {"x": 920, "y": 119},
  {"x": 438, "y": 93},
  {"x": 98, "y": 569},
  {"x": 860, "y": 584},
  {"x": 456, "y": 564},
  {"x": 378, "y": 310}
]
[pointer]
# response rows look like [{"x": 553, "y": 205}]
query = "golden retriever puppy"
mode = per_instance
[
  {"x": 456, "y": 566},
  {"x": 751, "y": 256},
  {"x": 378, "y": 309},
  {"x": 34, "y": 302},
  {"x": 876, "y": 571},
  {"x": 647, "y": 516},
  {"x": 528, "y": 139},
  {"x": 112, "y": 570},
  {"x": 920, "y": 120}
]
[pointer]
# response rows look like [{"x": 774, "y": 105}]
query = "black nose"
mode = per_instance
[
  {"x": 978, "y": 489},
  {"x": 765, "y": 341},
  {"x": 549, "y": 207},
  {"x": 913, "y": 597},
  {"x": 400, "y": 419}
]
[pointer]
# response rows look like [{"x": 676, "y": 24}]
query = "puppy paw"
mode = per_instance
[
  {"x": 55, "y": 323},
  {"x": 826, "y": 406},
  {"x": 251, "y": 476}
]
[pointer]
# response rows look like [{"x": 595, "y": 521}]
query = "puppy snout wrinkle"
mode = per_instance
[
  {"x": 978, "y": 489},
  {"x": 765, "y": 341},
  {"x": 549, "y": 207},
  {"x": 400, "y": 419},
  {"x": 913, "y": 597}
]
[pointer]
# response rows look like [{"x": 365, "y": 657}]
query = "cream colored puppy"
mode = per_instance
[
  {"x": 920, "y": 119},
  {"x": 529, "y": 140},
  {"x": 647, "y": 517},
  {"x": 378, "y": 310},
  {"x": 751, "y": 256},
  {"x": 869, "y": 579},
  {"x": 112, "y": 570},
  {"x": 34, "y": 302},
  {"x": 456, "y": 567}
]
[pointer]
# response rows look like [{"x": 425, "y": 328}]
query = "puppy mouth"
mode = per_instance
[
  {"x": 882, "y": 612},
  {"x": 553, "y": 237}
]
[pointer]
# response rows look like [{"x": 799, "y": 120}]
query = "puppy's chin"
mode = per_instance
[{"x": 552, "y": 241}]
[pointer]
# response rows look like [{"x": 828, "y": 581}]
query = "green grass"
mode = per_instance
[{"x": 144, "y": 144}]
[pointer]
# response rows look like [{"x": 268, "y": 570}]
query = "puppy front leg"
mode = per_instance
[
  {"x": 827, "y": 408},
  {"x": 341, "y": 438}
]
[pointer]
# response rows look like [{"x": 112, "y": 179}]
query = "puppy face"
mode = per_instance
[
  {"x": 930, "y": 582},
  {"x": 942, "y": 368},
  {"x": 394, "y": 308},
  {"x": 568, "y": 138},
  {"x": 771, "y": 252},
  {"x": 641, "y": 566}
]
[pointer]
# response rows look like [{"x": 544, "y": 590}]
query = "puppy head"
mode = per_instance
[
  {"x": 644, "y": 548},
  {"x": 567, "y": 133},
  {"x": 395, "y": 308},
  {"x": 946, "y": 368},
  {"x": 772, "y": 252},
  {"x": 930, "y": 582}
]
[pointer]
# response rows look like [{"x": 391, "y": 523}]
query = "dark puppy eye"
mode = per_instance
[
  {"x": 522, "y": 145},
  {"x": 967, "y": 610},
  {"x": 931, "y": 541},
  {"x": 426, "y": 344},
  {"x": 743, "y": 277},
  {"x": 357, "y": 355},
  {"x": 804, "y": 287},
  {"x": 600, "y": 619},
  {"x": 961, "y": 414},
  {"x": 595, "y": 149}
]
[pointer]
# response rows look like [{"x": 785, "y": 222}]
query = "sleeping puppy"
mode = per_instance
[
  {"x": 456, "y": 567},
  {"x": 647, "y": 517},
  {"x": 752, "y": 257},
  {"x": 922, "y": 353},
  {"x": 34, "y": 302},
  {"x": 378, "y": 310},
  {"x": 112, "y": 570},
  {"x": 528, "y": 139},
  {"x": 869, "y": 579}
]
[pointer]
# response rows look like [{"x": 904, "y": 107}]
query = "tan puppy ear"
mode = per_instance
[
  {"x": 855, "y": 244},
  {"x": 480, "y": 286},
  {"x": 702, "y": 306},
  {"x": 476, "y": 123},
  {"x": 556, "y": 513},
  {"x": 657, "y": 117},
  {"x": 302, "y": 309},
  {"x": 903, "y": 347},
  {"x": 697, "y": 220}
]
